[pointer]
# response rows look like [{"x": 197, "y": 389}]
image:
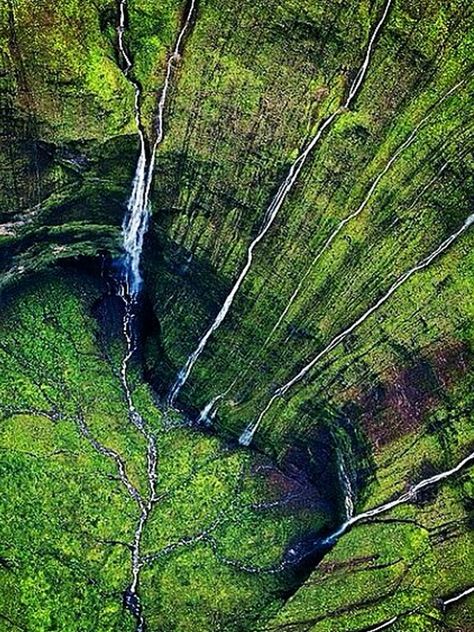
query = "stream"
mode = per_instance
[
  {"x": 134, "y": 228},
  {"x": 403, "y": 498}
]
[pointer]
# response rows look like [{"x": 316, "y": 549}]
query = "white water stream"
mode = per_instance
[
  {"x": 403, "y": 147},
  {"x": 445, "y": 602},
  {"x": 402, "y": 499},
  {"x": 272, "y": 212},
  {"x": 346, "y": 485},
  {"x": 249, "y": 432},
  {"x": 134, "y": 228},
  {"x": 458, "y": 597}
]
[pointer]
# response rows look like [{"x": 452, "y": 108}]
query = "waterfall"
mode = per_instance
[
  {"x": 401, "y": 149},
  {"x": 385, "y": 624},
  {"x": 249, "y": 432},
  {"x": 464, "y": 593},
  {"x": 272, "y": 212},
  {"x": 136, "y": 220},
  {"x": 135, "y": 225},
  {"x": 402, "y": 499},
  {"x": 207, "y": 414},
  {"x": 354, "y": 214},
  {"x": 134, "y": 228}
]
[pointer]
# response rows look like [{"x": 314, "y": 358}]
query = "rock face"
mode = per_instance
[{"x": 345, "y": 354}]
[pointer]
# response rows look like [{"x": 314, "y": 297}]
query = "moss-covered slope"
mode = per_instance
[
  {"x": 240, "y": 115},
  {"x": 388, "y": 406}
]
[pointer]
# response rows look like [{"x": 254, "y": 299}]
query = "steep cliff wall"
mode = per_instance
[
  {"x": 240, "y": 115},
  {"x": 67, "y": 154}
]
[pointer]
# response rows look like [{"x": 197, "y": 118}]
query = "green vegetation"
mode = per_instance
[
  {"x": 151, "y": 34},
  {"x": 255, "y": 81},
  {"x": 65, "y": 172},
  {"x": 406, "y": 561},
  {"x": 61, "y": 68},
  {"x": 66, "y": 519},
  {"x": 219, "y": 166}
]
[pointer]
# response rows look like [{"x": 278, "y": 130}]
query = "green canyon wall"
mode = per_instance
[{"x": 392, "y": 404}]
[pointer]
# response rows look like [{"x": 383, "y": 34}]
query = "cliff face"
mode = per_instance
[
  {"x": 240, "y": 116},
  {"x": 67, "y": 111},
  {"x": 346, "y": 349}
]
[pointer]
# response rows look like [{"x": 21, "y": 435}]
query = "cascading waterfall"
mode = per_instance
[
  {"x": 134, "y": 228},
  {"x": 208, "y": 413},
  {"x": 385, "y": 624},
  {"x": 402, "y": 499},
  {"x": 135, "y": 223},
  {"x": 273, "y": 209},
  {"x": 352, "y": 519},
  {"x": 136, "y": 218},
  {"x": 249, "y": 432},
  {"x": 461, "y": 595},
  {"x": 445, "y": 604}
]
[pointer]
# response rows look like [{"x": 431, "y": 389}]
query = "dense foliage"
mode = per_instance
[{"x": 395, "y": 399}]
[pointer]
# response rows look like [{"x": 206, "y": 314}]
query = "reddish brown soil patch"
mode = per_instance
[{"x": 399, "y": 403}]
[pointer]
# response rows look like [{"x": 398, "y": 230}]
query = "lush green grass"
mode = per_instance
[
  {"x": 151, "y": 35},
  {"x": 404, "y": 563},
  {"x": 66, "y": 519},
  {"x": 65, "y": 525}
]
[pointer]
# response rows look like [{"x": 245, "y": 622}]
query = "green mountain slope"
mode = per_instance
[{"x": 347, "y": 349}]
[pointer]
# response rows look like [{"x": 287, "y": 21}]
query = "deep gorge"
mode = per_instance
[{"x": 236, "y": 297}]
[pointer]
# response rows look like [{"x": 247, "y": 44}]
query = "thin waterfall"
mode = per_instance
[
  {"x": 207, "y": 414},
  {"x": 464, "y": 593},
  {"x": 134, "y": 228},
  {"x": 402, "y": 499},
  {"x": 135, "y": 225},
  {"x": 136, "y": 220},
  {"x": 251, "y": 363},
  {"x": 401, "y": 149},
  {"x": 385, "y": 624},
  {"x": 273, "y": 209},
  {"x": 345, "y": 478},
  {"x": 249, "y": 432}
]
